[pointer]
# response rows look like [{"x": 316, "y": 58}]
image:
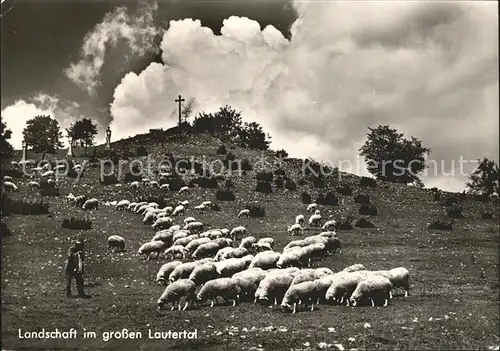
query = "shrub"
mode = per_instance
[
  {"x": 215, "y": 207},
  {"x": 176, "y": 183},
  {"x": 481, "y": 197},
  {"x": 362, "y": 199},
  {"x": 135, "y": 174},
  {"x": 328, "y": 200},
  {"x": 108, "y": 179},
  {"x": 32, "y": 207},
  {"x": 318, "y": 182},
  {"x": 281, "y": 153},
  {"x": 264, "y": 176},
  {"x": 306, "y": 198},
  {"x": 436, "y": 196},
  {"x": 77, "y": 223},
  {"x": 280, "y": 172},
  {"x": 246, "y": 165},
  {"x": 279, "y": 182},
  {"x": 48, "y": 189},
  {"x": 345, "y": 224},
  {"x": 368, "y": 182},
  {"x": 449, "y": 201},
  {"x": 230, "y": 162},
  {"x": 221, "y": 150},
  {"x": 455, "y": 211},
  {"x": 440, "y": 225},
  {"x": 4, "y": 230},
  {"x": 225, "y": 195},
  {"x": 74, "y": 174},
  {"x": 311, "y": 168},
  {"x": 205, "y": 182},
  {"x": 229, "y": 183},
  {"x": 302, "y": 181},
  {"x": 14, "y": 173},
  {"x": 256, "y": 210},
  {"x": 264, "y": 187},
  {"x": 141, "y": 151},
  {"x": 344, "y": 190},
  {"x": 363, "y": 223},
  {"x": 369, "y": 210},
  {"x": 487, "y": 215},
  {"x": 290, "y": 185}
]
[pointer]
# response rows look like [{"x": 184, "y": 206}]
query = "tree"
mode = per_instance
[
  {"x": 84, "y": 131},
  {"x": 224, "y": 123},
  {"x": 42, "y": 133},
  {"x": 252, "y": 136},
  {"x": 390, "y": 157},
  {"x": 5, "y": 147},
  {"x": 187, "y": 109},
  {"x": 485, "y": 179}
]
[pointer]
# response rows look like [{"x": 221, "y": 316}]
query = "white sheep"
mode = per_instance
[
  {"x": 237, "y": 252},
  {"x": 328, "y": 234},
  {"x": 306, "y": 275},
  {"x": 223, "y": 242},
  {"x": 180, "y": 234},
  {"x": 120, "y": 206},
  {"x": 261, "y": 247},
  {"x": 295, "y": 243},
  {"x": 375, "y": 287},
  {"x": 176, "y": 250},
  {"x": 165, "y": 270},
  {"x": 165, "y": 186},
  {"x": 91, "y": 204},
  {"x": 79, "y": 201},
  {"x": 154, "y": 184},
  {"x": 9, "y": 186},
  {"x": 312, "y": 207},
  {"x": 186, "y": 240},
  {"x": 189, "y": 219},
  {"x": 150, "y": 247},
  {"x": 343, "y": 285},
  {"x": 244, "y": 213},
  {"x": 265, "y": 260},
  {"x": 153, "y": 205},
  {"x": 303, "y": 292},
  {"x": 227, "y": 268},
  {"x": 273, "y": 287},
  {"x": 295, "y": 229},
  {"x": 239, "y": 231},
  {"x": 149, "y": 217},
  {"x": 266, "y": 240},
  {"x": 399, "y": 278},
  {"x": 248, "y": 280},
  {"x": 212, "y": 234},
  {"x": 48, "y": 174},
  {"x": 184, "y": 189},
  {"x": 223, "y": 287},
  {"x": 292, "y": 258},
  {"x": 194, "y": 227},
  {"x": 222, "y": 252},
  {"x": 162, "y": 222},
  {"x": 135, "y": 184},
  {"x": 193, "y": 245},
  {"x": 175, "y": 228},
  {"x": 315, "y": 220},
  {"x": 300, "y": 219},
  {"x": 32, "y": 184},
  {"x": 200, "y": 208},
  {"x": 7, "y": 178},
  {"x": 164, "y": 235},
  {"x": 247, "y": 242},
  {"x": 136, "y": 208},
  {"x": 203, "y": 273},
  {"x": 182, "y": 271},
  {"x": 116, "y": 242},
  {"x": 175, "y": 291},
  {"x": 179, "y": 210},
  {"x": 131, "y": 205},
  {"x": 184, "y": 203},
  {"x": 354, "y": 268},
  {"x": 207, "y": 204},
  {"x": 329, "y": 225},
  {"x": 206, "y": 250}
]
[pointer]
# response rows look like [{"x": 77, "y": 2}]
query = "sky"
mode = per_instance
[{"x": 314, "y": 74}]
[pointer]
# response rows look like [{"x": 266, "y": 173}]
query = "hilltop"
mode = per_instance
[{"x": 452, "y": 304}]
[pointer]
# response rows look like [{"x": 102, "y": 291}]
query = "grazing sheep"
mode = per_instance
[
  {"x": 9, "y": 186},
  {"x": 78, "y": 201},
  {"x": 194, "y": 227},
  {"x": 150, "y": 247},
  {"x": 225, "y": 232},
  {"x": 179, "y": 210},
  {"x": 184, "y": 189},
  {"x": 149, "y": 217},
  {"x": 292, "y": 258},
  {"x": 162, "y": 223},
  {"x": 203, "y": 273},
  {"x": 175, "y": 228},
  {"x": 120, "y": 206},
  {"x": 183, "y": 271},
  {"x": 306, "y": 275},
  {"x": 299, "y": 293},
  {"x": 237, "y": 252},
  {"x": 314, "y": 251},
  {"x": 265, "y": 260},
  {"x": 153, "y": 205},
  {"x": 244, "y": 213},
  {"x": 154, "y": 184},
  {"x": 7, "y": 178},
  {"x": 212, "y": 234},
  {"x": 333, "y": 244},
  {"x": 247, "y": 242},
  {"x": 239, "y": 231},
  {"x": 312, "y": 207},
  {"x": 186, "y": 240},
  {"x": 343, "y": 285},
  {"x": 164, "y": 235},
  {"x": 374, "y": 287},
  {"x": 193, "y": 245},
  {"x": 165, "y": 186},
  {"x": 184, "y": 203},
  {"x": 32, "y": 184},
  {"x": 189, "y": 220},
  {"x": 200, "y": 208},
  {"x": 273, "y": 287},
  {"x": 222, "y": 251},
  {"x": 227, "y": 268},
  {"x": 140, "y": 207},
  {"x": 165, "y": 271},
  {"x": 135, "y": 184},
  {"x": 223, "y": 287},
  {"x": 295, "y": 243},
  {"x": 329, "y": 225},
  {"x": 176, "y": 250},
  {"x": 300, "y": 219},
  {"x": 261, "y": 247},
  {"x": 91, "y": 204},
  {"x": 174, "y": 292},
  {"x": 180, "y": 234},
  {"x": 295, "y": 229},
  {"x": 131, "y": 206},
  {"x": 116, "y": 242},
  {"x": 206, "y": 250},
  {"x": 315, "y": 220},
  {"x": 267, "y": 240},
  {"x": 48, "y": 174},
  {"x": 248, "y": 280},
  {"x": 327, "y": 234},
  {"x": 399, "y": 278},
  {"x": 223, "y": 242},
  {"x": 354, "y": 268}
]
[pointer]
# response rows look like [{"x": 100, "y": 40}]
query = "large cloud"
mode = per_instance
[{"x": 428, "y": 69}]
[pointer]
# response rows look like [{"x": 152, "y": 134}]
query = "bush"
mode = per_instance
[
  {"x": 135, "y": 174},
  {"x": 440, "y": 225},
  {"x": 481, "y": 197},
  {"x": 290, "y": 185},
  {"x": 279, "y": 182},
  {"x": 229, "y": 183},
  {"x": 215, "y": 207},
  {"x": 306, "y": 198},
  {"x": 487, "y": 215},
  {"x": 345, "y": 190},
  {"x": 264, "y": 187},
  {"x": 369, "y": 210},
  {"x": 436, "y": 196},
  {"x": 311, "y": 168},
  {"x": 362, "y": 199},
  {"x": 256, "y": 210},
  {"x": 48, "y": 189},
  {"x": 77, "y": 223},
  {"x": 318, "y": 182},
  {"x": 205, "y": 182},
  {"x": 108, "y": 179},
  {"x": 368, "y": 182},
  {"x": 14, "y": 173},
  {"x": 176, "y": 183},
  {"x": 4, "y": 230},
  {"x": 302, "y": 181},
  {"x": 449, "y": 201},
  {"x": 455, "y": 211},
  {"x": 281, "y": 153},
  {"x": 246, "y": 165},
  {"x": 74, "y": 174},
  {"x": 264, "y": 176},
  {"x": 363, "y": 223},
  {"x": 221, "y": 150},
  {"x": 280, "y": 172},
  {"x": 32, "y": 207},
  {"x": 230, "y": 162},
  {"x": 328, "y": 200},
  {"x": 141, "y": 151},
  {"x": 345, "y": 224},
  {"x": 225, "y": 195}
]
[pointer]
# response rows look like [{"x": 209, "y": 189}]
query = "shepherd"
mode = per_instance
[{"x": 74, "y": 268}]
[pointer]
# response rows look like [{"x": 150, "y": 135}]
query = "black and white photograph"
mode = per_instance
[{"x": 251, "y": 175}]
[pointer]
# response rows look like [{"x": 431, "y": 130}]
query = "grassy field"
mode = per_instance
[{"x": 451, "y": 305}]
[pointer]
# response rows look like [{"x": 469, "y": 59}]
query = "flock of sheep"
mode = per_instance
[{"x": 253, "y": 270}]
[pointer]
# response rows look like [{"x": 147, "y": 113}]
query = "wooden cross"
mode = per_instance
[{"x": 180, "y": 100}]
